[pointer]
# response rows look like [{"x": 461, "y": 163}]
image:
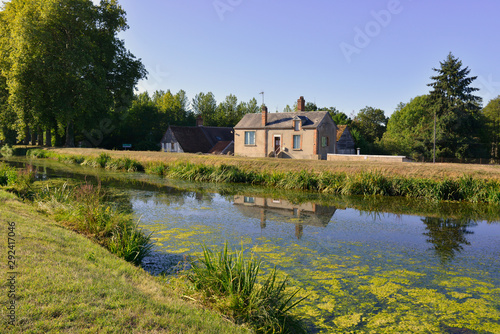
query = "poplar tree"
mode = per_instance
[{"x": 64, "y": 66}]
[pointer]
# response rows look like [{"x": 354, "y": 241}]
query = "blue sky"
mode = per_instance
[{"x": 346, "y": 54}]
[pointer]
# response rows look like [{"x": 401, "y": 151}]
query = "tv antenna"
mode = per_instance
[{"x": 262, "y": 97}]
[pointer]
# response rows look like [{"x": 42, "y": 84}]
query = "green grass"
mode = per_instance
[
  {"x": 68, "y": 284},
  {"x": 84, "y": 209}
]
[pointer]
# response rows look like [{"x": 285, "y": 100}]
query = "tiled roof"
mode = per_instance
[
  {"x": 223, "y": 147},
  {"x": 194, "y": 139},
  {"x": 310, "y": 120},
  {"x": 340, "y": 131},
  {"x": 191, "y": 139}
]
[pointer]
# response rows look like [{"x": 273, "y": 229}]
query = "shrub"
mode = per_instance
[{"x": 7, "y": 151}]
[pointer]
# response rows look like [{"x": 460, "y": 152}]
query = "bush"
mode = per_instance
[{"x": 7, "y": 151}]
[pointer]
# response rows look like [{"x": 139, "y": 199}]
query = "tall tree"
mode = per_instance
[
  {"x": 206, "y": 106},
  {"x": 65, "y": 65},
  {"x": 492, "y": 114},
  {"x": 457, "y": 110},
  {"x": 409, "y": 129},
  {"x": 371, "y": 122}
]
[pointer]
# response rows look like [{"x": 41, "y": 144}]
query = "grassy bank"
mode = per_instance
[
  {"x": 83, "y": 208},
  {"x": 68, "y": 284},
  {"x": 473, "y": 184}
]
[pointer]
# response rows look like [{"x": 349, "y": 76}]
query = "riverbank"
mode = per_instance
[
  {"x": 436, "y": 171},
  {"x": 66, "y": 283},
  {"x": 475, "y": 183}
]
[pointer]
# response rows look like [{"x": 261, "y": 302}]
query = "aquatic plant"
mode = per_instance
[
  {"x": 84, "y": 209},
  {"x": 464, "y": 188},
  {"x": 228, "y": 281}
]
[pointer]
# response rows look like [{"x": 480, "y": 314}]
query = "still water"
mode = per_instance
[{"x": 367, "y": 265}]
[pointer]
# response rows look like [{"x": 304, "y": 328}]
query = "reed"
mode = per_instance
[
  {"x": 229, "y": 282},
  {"x": 465, "y": 188},
  {"x": 83, "y": 208}
]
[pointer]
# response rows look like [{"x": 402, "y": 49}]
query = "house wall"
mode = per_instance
[
  {"x": 254, "y": 151},
  {"x": 311, "y": 142},
  {"x": 264, "y": 145},
  {"x": 346, "y": 144},
  {"x": 328, "y": 130},
  {"x": 274, "y": 203},
  {"x": 169, "y": 143}
]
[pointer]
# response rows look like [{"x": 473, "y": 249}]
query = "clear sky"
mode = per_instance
[{"x": 340, "y": 53}]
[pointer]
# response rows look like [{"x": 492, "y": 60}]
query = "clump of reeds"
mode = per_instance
[
  {"x": 229, "y": 282},
  {"x": 365, "y": 183},
  {"x": 84, "y": 209}
]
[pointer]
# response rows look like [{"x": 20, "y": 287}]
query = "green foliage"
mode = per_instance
[
  {"x": 492, "y": 118},
  {"x": 6, "y": 151},
  {"x": 230, "y": 281},
  {"x": 130, "y": 242},
  {"x": 410, "y": 129},
  {"x": 17, "y": 181},
  {"x": 371, "y": 122},
  {"x": 84, "y": 208},
  {"x": 367, "y": 183},
  {"x": 65, "y": 68},
  {"x": 457, "y": 109},
  {"x": 8, "y": 175}
]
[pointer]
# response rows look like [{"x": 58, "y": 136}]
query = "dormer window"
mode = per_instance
[{"x": 297, "y": 123}]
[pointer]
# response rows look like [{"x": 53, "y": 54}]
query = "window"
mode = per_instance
[
  {"x": 296, "y": 125},
  {"x": 249, "y": 137},
  {"x": 248, "y": 199},
  {"x": 296, "y": 142},
  {"x": 325, "y": 141}
]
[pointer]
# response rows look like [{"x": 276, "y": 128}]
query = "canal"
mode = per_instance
[{"x": 366, "y": 264}]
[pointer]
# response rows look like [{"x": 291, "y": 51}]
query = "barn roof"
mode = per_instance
[{"x": 194, "y": 139}]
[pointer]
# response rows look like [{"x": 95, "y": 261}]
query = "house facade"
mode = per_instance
[{"x": 294, "y": 135}]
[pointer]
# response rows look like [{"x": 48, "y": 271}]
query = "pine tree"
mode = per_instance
[{"x": 457, "y": 110}]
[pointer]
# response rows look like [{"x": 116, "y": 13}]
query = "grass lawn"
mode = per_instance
[
  {"x": 66, "y": 283},
  {"x": 436, "y": 171}
]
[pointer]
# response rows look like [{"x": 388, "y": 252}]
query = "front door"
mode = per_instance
[{"x": 277, "y": 145}]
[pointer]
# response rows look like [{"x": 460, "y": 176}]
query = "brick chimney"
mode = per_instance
[
  {"x": 264, "y": 115},
  {"x": 199, "y": 121},
  {"x": 301, "y": 104}
]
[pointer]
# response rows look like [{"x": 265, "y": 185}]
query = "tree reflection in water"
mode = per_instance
[{"x": 447, "y": 236}]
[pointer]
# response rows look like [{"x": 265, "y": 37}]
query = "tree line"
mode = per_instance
[{"x": 66, "y": 79}]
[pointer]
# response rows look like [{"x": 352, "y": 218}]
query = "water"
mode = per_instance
[{"x": 367, "y": 265}]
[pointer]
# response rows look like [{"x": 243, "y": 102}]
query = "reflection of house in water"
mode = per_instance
[{"x": 267, "y": 209}]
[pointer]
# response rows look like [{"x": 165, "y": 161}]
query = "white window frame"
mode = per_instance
[
  {"x": 299, "y": 147},
  {"x": 249, "y": 141}
]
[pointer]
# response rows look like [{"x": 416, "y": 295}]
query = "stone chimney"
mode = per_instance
[
  {"x": 301, "y": 104},
  {"x": 199, "y": 121},
  {"x": 264, "y": 115}
]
